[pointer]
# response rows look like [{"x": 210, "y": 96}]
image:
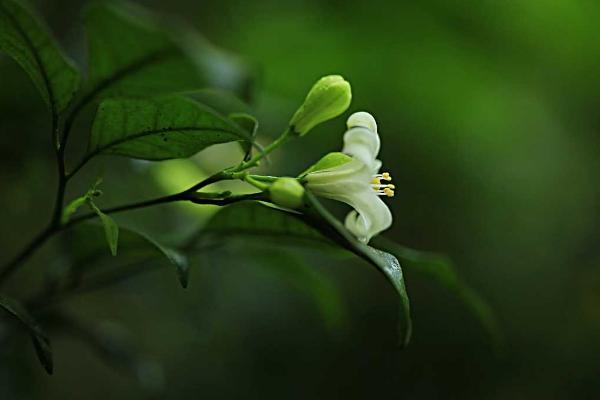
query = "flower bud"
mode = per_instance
[
  {"x": 287, "y": 192},
  {"x": 327, "y": 99}
]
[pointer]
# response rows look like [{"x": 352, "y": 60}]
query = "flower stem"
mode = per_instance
[
  {"x": 253, "y": 162},
  {"x": 187, "y": 195},
  {"x": 190, "y": 194}
]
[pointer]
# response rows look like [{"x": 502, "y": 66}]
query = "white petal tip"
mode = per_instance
[{"x": 362, "y": 118}]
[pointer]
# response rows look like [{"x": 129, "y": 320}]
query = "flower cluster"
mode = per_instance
[{"x": 351, "y": 176}]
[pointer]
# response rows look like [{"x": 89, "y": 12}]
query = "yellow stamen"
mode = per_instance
[{"x": 385, "y": 189}]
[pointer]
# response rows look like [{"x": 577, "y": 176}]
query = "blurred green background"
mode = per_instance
[{"x": 488, "y": 112}]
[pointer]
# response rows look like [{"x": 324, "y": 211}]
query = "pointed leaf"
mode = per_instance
[
  {"x": 441, "y": 269},
  {"x": 258, "y": 220},
  {"x": 85, "y": 245},
  {"x": 111, "y": 229},
  {"x": 261, "y": 221},
  {"x": 41, "y": 342},
  {"x": 129, "y": 54},
  {"x": 317, "y": 216},
  {"x": 159, "y": 128},
  {"x": 133, "y": 54},
  {"x": 25, "y": 38}
]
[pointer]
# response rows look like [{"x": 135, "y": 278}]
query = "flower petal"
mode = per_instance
[
  {"x": 338, "y": 182},
  {"x": 361, "y": 139},
  {"x": 362, "y": 118},
  {"x": 369, "y": 217}
]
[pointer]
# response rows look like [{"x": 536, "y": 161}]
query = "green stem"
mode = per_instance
[
  {"x": 190, "y": 194},
  {"x": 256, "y": 183},
  {"x": 285, "y": 136},
  {"x": 186, "y": 195}
]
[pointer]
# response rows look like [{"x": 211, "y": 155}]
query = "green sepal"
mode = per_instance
[{"x": 328, "y": 161}]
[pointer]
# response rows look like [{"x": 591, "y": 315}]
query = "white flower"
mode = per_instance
[{"x": 357, "y": 181}]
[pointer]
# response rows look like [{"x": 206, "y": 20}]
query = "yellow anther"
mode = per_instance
[
  {"x": 388, "y": 192},
  {"x": 386, "y": 176},
  {"x": 376, "y": 181},
  {"x": 391, "y": 186}
]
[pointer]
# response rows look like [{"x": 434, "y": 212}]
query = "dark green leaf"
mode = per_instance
[
  {"x": 317, "y": 216},
  {"x": 255, "y": 219},
  {"x": 158, "y": 129},
  {"x": 85, "y": 247},
  {"x": 40, "y": 340},
  {"x": 129, "y": 54},
  {"x": 132, "y": 54},
  {"x": 441, "y": 269},
  {"x": 24, "y": 37},
  {"x": 260, "y": 221}
]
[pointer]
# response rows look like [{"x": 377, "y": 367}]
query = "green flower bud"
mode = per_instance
[
  {"x": 327, "y": 99},
  {"x": 287, "y": 192}
]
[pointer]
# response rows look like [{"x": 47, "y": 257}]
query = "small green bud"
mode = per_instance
[
  {"x": 287, "y": 192},
  {"x": 327, "y": 99}
]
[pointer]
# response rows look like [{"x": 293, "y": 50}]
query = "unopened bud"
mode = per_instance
[
  {"x": 287, "y": 192},
  {"x": 327, "y": 99}
]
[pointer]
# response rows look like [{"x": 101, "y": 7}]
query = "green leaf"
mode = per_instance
[
  {"x": 262, "y": 221},
  {"x": 41, "y": 342},
  {"x": 111, "y": 229},
  {"x": 159, "y": 128},
  {"x": 25, "y": 38},
  {"x": 129, "y": 54},
  {"x": 317, "y": 216},
  {"x": 250, "y": 125},
  {"x": 132, "y": 53},
  {"x": 255, "y": 219},
  {"x": 85, "y": 247},
  {"x": 441, "y": 269}
]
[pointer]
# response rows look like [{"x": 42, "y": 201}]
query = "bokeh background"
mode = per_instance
[{"x": 488, "y": 112}]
